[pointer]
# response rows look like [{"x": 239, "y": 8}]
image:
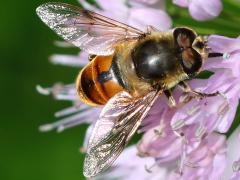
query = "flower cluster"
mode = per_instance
[
  {"x": 185, "y": 142},
  {"x": 201, "y": 10}
]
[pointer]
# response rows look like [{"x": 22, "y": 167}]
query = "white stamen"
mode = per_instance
[
  {"x": 149, "y": 169},
  {"x": 191, "y": 165},
  {"x": 67, "y": 111},
  {"x": 72, "y": 61},
  {"x": 224, "y": 108},
  {"x": 236, "y": 166},
  {"x": 183, "y": 156},
  {"x": 199, "y": 133},
  {"x": 63, "y": 127},
  {"x": 158, "y": 132},
  {"x": 66, "y": 122},
  {"x": 68, "y": 97},
  {"x": 82, "y": 150},
  {"x": 178, "y": 124},
  {"x": 223, "y": 95},
  {"x": 60, "y": 129},
  {"x": 46, "y": 127},
  {"x": 63, "y": 44},
  {"x": 226, "y": 56},
  {"x": 193, "y": 110},
  {"x": 41, "y": 90},
  {"x": 139, "y": 131}
]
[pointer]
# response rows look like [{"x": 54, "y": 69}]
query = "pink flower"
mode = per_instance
[
  {"x": 138, "y": 15},
  {"x": 206, "y": 161},
  {"x": 226, "y": 76},
  {"x": 181, "y": 142},
  {"x": 170, "y": 140},
  {"x": 201, "y": 10},
  {"x": 148, "y": 2},
  {"x": 232, "y": 170},
  {"x": 171, "y": 132}
]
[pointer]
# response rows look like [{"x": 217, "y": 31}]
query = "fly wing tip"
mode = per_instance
[
  {"x": 93, "y": 165},
  {"x": 39, "y": 10},
  {"x": 89, "y": 168},
  {"x": 47, "y": 13},
  {"x": 43, "y": 10},
  {"x": 51, "y": 7},
  {"x": 88, "y": 174}
]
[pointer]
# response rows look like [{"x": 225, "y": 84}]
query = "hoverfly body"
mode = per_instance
[{"x": 127, "y": 71}]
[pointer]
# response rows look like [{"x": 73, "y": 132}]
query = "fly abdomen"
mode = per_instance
[{"x": 95, "y": 83}]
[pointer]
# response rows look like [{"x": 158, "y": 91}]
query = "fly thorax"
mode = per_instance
[{"x": 154, "y": 59}]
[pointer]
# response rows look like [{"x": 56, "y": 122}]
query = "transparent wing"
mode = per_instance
[
  {"x": 118, "y": 121},
  {"x": 87, "y": 30}
]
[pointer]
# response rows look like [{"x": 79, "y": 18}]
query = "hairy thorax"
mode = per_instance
[{"x": 149, "y": 61}]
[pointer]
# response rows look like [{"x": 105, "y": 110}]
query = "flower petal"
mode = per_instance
[
  {"x": 223, "y": 44},
  {"x": 205, "y": 10},
  {"x": 117, "y": 5},
  {"x": 182, "y": 3},
  {"x": 145, "y": 1},
  {"x": 70, "y": 60},
  {"x": 233, "y": 154},
  {"x": 141, "y": 17},
  {"x": 157, "y": 4}
]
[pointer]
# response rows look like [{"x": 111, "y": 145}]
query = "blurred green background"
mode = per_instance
[
  {"x": 25, "y": 45},
  {"x": 26, "y": 154}
]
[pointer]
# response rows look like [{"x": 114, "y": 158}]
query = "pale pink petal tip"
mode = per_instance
[
  {"x": 140, "y": 17},
  {"x": 223, "y": 44},
  {"x": 149, "y": 2},
  {"x": 236, "y": 176},
  {"x": 236, "y": 170},
  {"x": 46, "y": 128},
  {"x": 182, "y": 3},
  {"x": 43, "y": 91},
  {"x": 205, "y": 10}
]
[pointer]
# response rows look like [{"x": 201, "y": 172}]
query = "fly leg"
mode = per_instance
[
  {"x": 187, "y": 89},
  {"x": 171, "y": 100}
]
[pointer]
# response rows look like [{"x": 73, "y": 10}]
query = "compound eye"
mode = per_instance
[
  {"x": 188, "y": 58},
  {"x": 191, "y": 61},
  {"x": 184, "y": 37},
  {"x": 183, "y": 41}
]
